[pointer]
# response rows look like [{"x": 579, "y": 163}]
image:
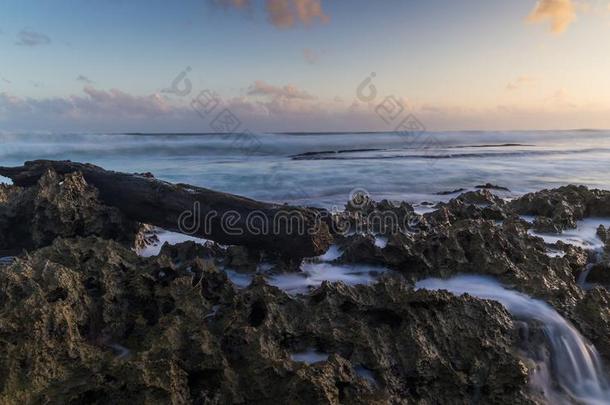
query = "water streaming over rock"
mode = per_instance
[{"x": 575, "y": 365}]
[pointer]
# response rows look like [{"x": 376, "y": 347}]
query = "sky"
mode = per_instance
[{"x": 303, "y": 65}]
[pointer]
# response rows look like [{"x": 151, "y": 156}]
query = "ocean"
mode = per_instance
[{"x": 322, "y": 169}]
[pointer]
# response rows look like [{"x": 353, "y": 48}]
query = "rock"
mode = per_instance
[
  {"x": 599, "y": 274},
  {"x": 60, "y": 206},
  {"x": 508, "y": 253},
  {"x": 8, "y": 192},
  {"x": 190, "y": 250},
  {"x": 99, "y": 324},
  {"x": 364, "y": 215},
  {"x": 602, "y": 233},
  {"x": 86, "y": 320},
  {"x": 360, "y": 248},
  {"x": 457, "y": 190},
  {"x": 546, "y": 225},
  {"x": 592, "y": 316},
  {"x": 471, "y": 205},
  {"x": 489, "y": 186},
  {"x": 564, "y": 205}
]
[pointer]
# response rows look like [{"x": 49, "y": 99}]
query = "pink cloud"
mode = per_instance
[
  {"x": 262, "y": 88},
  {"x": 285, "y": 13},
  {"x": 560, "y": 13}
]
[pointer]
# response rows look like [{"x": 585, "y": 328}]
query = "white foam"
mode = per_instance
[
  {"x": 312, "y": 275},
  {"x": 309, "y": 356},
  {"x": 585, "y": 235},
  {"x": 424, "y": 209},
  {"x": 173, "y": 238},
  {"x": 578, "y": 368},
  {"x": 333, "y": 253},
  {"x": 241, "y": 280},
  {"x": 555, "y": 253},
  {"x": 381, "y": 241}
]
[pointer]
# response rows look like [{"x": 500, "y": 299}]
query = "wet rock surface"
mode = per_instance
[
  {"x": 84, "y": 319},
  {"x": 117, "y": 328}
]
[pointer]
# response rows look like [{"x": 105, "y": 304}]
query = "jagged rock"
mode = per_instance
[
  {"x": 97, "y": 324},
  {"x": 85, "y": 320},
  {"x": 471, "y": 205},
  {"x": 599, "y": 274},
  {"x": 190, "y": 250},
  {"x": 565, "y": 205},
  {"x": 63, "y": 206},
  {"x": 602, "y": 233},
  {"x": 592, "y": 315},
  {"x": 360, "y": 248},
  {"x": 480, "y": 247},
  {"x": 547, "y": 225},
  {"x": 363, "y": 215},
  {"x": 8, "y": 192}
]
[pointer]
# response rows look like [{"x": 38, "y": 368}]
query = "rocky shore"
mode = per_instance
[{"x": 85, "y": 319}]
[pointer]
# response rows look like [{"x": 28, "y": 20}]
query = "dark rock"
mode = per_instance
[
  {"x": 471, "y": 205},
  {"x": 114, "y": 330},
  {"x": 190, "y": 250},
  {"x": 599, "y": 274},
  {"x": 385, "y": 217},
  {"x": 360, "y": 248},
  {"x": 490, "y": 186},
  {"x": 547, "y": 225},
  {"x": 60, "y": 206},
  {"x": 457, "y": 190},
  {"x": 508, "y": 253},
  {"x": 592, "y": 315},
  {"x": 602, "y": 233},
  {"x": 565, "y": 205}
]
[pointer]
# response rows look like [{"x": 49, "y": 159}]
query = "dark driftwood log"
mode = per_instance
[{"x": 224, "y": 218}]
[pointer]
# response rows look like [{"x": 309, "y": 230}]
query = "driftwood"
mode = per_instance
[{"x": 221, "y": 217}]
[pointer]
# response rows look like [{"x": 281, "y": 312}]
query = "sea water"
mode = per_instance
[{"x": 322, "y": 169}]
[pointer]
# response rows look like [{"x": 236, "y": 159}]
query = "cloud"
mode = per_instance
[
  {"x": 560, "y": 13},
  {"x": 284, "y": 13},
  {"x": 84, "y": 79},
  {"x": 262, "y": 88},
  {"x": 93, "y": 103},
  {"x": 521, "y": 82},
  {"x": 234, "y": 3},
  {"x": 31, "y": 38},
  {"x": 311, "y": 56}
]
